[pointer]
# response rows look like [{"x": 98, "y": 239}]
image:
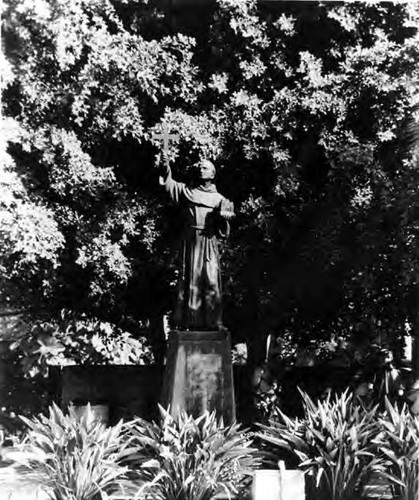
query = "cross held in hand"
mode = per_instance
[{"x": 165, "y": 136}]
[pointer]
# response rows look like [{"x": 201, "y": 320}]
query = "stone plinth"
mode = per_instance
[{"x": 199, "y": 374}]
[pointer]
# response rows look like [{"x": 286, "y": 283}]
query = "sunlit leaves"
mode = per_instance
[
  {"x": 333, "y": 443},
  {"x": 398, "y": 442},
  {"x": 73, "y": 457},
  {"x": 275, "y": 94},
  {"x": 72, "y": 340},
  {"x": 190, "y": 458},
  {"x": 30, "y": 236}
]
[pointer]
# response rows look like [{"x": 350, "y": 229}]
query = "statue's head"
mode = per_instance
[{"x": 205, "y": 170}]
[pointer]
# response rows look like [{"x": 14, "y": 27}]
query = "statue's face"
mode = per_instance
[{"x": 206, "y": 170}]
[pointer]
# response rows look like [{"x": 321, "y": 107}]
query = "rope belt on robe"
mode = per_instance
[{"x": 208, "y": 249}]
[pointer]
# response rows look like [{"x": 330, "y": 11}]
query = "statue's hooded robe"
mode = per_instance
[{"x": 199, "y": 284}]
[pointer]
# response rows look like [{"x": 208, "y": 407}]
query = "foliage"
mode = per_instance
[
  {"x": 301, "y": 106},
  {"x": 73, "y": 340},
  {"x": 73, "y": 458},
  {"x": 398, "y": 442},
  {"x": 380, "y": 380},
  {"x": 1, "y": 444},
  {"x": 332, "y": 442},
  {"x": 267, "y": 396},
  {"x": 368, "y": 369},
  {"x": 31, "y": 241},
  {"x": 188, "y": 458},
  {"x": 239, "y": 354}
]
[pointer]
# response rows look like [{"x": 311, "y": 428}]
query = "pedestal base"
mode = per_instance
[{"x": 199, "y": 375}]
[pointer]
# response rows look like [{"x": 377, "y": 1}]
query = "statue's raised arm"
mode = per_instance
[{"x": 176, "y": 190}]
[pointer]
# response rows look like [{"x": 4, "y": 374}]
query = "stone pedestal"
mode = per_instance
[{"x": 198, "y": 375}]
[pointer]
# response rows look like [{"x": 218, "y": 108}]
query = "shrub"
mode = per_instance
[
  {"x": 190, "y": 459},
  {"x": 332, "y": 443},
  {"x": 398, "y": 441},
  {"x": 74, "y": 458},
  {"x": 73, "y": 339}
]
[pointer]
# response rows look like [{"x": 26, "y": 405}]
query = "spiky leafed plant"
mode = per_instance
[
  {"x": 332, "y": 444},
  {"x": 398, "y": 441},
  {"x": 73, "y": 457},
  {"x": 190, "y": 459}
]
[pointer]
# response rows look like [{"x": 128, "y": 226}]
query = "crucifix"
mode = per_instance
[{"x": 165, "y": 137}]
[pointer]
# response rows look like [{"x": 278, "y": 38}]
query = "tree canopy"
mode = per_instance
[{"x": 301, "y": 106}]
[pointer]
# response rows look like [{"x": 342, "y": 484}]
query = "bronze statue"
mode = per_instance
[{"x": 207, "y": 215}]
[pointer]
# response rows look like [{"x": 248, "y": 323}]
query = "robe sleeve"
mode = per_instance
[
  {"x": 223, "y": 229},
  {"x": 176, "y": 190}
]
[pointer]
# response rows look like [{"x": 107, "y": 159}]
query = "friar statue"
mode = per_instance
[{"x": 206, "y": 221}]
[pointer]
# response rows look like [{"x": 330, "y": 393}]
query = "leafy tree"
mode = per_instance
[{"x": 301, "y": 106}]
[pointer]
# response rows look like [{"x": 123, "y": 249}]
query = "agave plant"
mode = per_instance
[
  {"x": 398, "y": 441},
  {"x": 73, "y": 457},
  {"x": 190, "y": 459},
  {"x": 332, "y": 444}
]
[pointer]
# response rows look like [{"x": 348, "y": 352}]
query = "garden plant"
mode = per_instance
[
  {"x": 191, "y": 458},
  {"x": 345, "y": 449},
  {"x": 332, "y": 443},
  {"x": 397, "y": 441},
  {"x": 73, "y": 457}
]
